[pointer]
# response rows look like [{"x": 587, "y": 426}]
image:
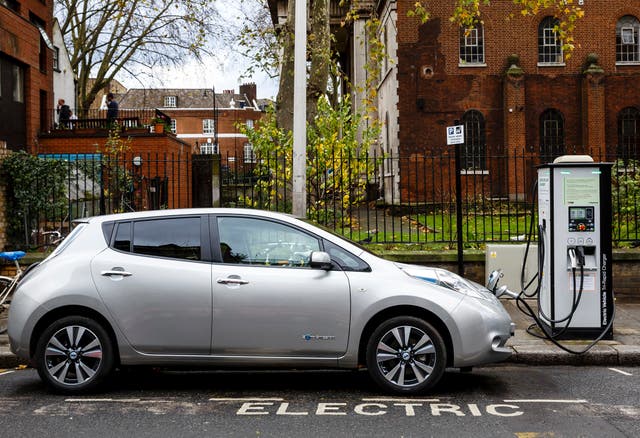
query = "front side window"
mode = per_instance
[
  {"x": 551, "y": 134},
  {"x": 628, "y": 133},
  {"x": 627, "y": 44},
  {"x": 253, "y": 241},
  {"x": 208, "y": 127},
  {"x": 474, "y": 147},
  {"x": 177, "y": 238},
  {"x": 549, "y": 45},
  {"x": 472, "y": 45},
  {"x": 174, "y": 126}
]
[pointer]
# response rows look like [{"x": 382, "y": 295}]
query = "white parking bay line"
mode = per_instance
[
  {"x": 624, "y": 373},
  {"x": 246, "y": 399},
  {"x": 529, "y": 400},
  {"x": 401, "y": 400},
  {"x": 2, "y": 373},
  {"x": 102, "y": 400}
]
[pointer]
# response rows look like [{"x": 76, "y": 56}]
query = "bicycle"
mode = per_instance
[{"x": 8, "y": 285}]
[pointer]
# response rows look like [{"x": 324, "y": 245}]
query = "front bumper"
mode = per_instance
[{"x": 484, "y": 327}]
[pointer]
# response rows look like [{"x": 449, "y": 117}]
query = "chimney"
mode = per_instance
[{"x": 250, "y": 90}]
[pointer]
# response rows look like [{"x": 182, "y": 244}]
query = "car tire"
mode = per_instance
[
  {"x": 406, "y": 355},
  {"x": 74, "y": 355}
]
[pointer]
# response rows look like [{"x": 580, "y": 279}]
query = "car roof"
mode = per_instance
[{"x": 184, "y": 212}]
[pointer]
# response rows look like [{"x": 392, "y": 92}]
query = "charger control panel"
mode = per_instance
[{"x": 581, "y": 219}]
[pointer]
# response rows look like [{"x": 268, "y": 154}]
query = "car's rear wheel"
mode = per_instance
[
  {"x": 406, "y": 355},
  {"x": 74, "y": 354}
]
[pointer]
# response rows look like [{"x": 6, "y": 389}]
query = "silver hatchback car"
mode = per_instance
[{"x": 234, "y": 287}]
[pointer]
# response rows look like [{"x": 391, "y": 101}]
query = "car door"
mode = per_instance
[
  {"x": 267, "y": 300},
  {"x": 156, "y": 286}
]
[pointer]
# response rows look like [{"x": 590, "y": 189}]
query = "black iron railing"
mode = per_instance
[{"x": 379, "y": 199}]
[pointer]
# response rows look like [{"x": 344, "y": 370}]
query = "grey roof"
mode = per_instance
[{"x": 186, "y": 98}]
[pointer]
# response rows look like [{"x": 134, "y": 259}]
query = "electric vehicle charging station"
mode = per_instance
[{"x": 574, "y": 227}]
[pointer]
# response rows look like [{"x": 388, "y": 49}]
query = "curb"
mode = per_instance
[
  {"x": 599, "y": 355},
  {"x": 535, "y": 355}
]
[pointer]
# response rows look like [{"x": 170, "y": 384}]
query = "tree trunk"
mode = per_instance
[
  {"x": 320, "y": 48},
  {"x": 284, "y": 100}
]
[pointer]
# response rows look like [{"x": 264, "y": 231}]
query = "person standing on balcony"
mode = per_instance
[
  {"x": 64, "y": 113},
  {"x": 112, "y": 110}
]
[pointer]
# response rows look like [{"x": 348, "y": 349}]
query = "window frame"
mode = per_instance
[
  {"x": 56, "y": 59},
  {"x": 628, "y": 51},
  {"x": 475, "y": 141},
  {"x": 170, "y": 101},
  {"x": 471, "y": 51},
  {"x": 628, "y": 144},
  {"x": 550, "y": 51},
  {"x": 248, "y": 154},
  {"x": 208, "y": 126},
  {"x": 551, "y": 146}
]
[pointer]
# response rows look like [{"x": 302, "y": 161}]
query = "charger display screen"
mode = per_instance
[{"x": 581, "y": 219}]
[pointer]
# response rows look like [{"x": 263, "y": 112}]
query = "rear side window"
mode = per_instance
[{"x": 177, "y": 238}]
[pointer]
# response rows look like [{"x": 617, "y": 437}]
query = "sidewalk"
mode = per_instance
[{"x": 623, "y": 350}]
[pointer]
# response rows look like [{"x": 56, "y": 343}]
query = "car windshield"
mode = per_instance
[{"x": 330, "y": 231}]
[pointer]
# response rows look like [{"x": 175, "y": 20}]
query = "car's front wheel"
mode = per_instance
[
  {"x": 406, "y": 355},
  {"x": 74, "y": 354}
]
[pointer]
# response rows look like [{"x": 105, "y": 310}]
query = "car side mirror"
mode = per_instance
[
  {"x": 492, "y": 281},
  {"x": 320, "y": 260}
]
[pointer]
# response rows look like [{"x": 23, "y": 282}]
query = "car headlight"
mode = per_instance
[{"x": 449, "y": 280}]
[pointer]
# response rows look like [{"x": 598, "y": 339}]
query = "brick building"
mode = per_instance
[
  {"x": 26, "y": 70},
  {"x": 512, "y": 87},
  {"x": 211, "y": 126}
]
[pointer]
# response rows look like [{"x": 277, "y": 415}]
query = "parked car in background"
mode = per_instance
[{"x": 235, "y": 287}]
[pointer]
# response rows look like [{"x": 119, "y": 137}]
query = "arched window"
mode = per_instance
[
  {"x": 627, "y": 44},
  {"x": 551, "y": 134},
  {"x": 474, "y": 147},
  {"x": 628, "y": 133},
  {"x": 472, "y": 45},
  {"x": 549, "y": 45}
]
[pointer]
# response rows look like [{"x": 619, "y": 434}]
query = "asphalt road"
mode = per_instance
[{"x": 509, "y": 401}]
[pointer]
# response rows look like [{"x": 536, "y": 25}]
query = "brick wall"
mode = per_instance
[
  {"x": 162, "y": 155},
  {"x": 20, "y": 42},
  {"x": 434, "y": 89}
]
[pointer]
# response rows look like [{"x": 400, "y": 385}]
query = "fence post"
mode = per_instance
[
  {"x": 4, "y": 152},
  {"x": 216, "y": 180}
]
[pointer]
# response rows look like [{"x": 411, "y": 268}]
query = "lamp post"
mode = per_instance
[{"x": 215, "y": 120}]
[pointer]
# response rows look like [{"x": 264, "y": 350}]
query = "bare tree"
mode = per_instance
[{"x": 106, "y": 38}]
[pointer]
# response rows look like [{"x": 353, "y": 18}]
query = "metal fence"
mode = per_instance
[
  {"x": 412, "y": 199},
  {"x": 85, "y": 185},
  {"x": 91, "y": 119},
  {"x": 379, "y": 199}
]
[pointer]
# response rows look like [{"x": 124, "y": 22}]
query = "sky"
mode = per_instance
[
  {"x": 208, "y": 74},
  {"x": 222, "y": 72}
]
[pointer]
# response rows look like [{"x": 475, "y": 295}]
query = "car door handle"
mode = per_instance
[
  {"x": 114, "y": 273},
  {"x": 231, "y": 281}
]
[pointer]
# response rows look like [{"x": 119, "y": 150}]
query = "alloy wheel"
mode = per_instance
[{"x": 73, "y": 355}]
